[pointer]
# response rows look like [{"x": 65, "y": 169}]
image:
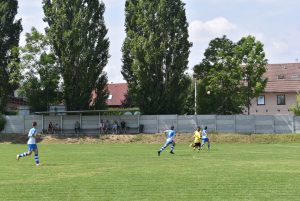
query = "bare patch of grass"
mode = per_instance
[{"x": 153, "y": 138}]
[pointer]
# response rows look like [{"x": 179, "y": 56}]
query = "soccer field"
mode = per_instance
[{"x": 135, "y": 172}]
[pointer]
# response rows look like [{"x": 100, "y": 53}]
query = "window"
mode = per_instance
[
  {"x": 109, "y": 97},
  {"x": 261, "y": 100},
  {"x": 281, "y": 77},
  {"x": 280, "y": 99}
]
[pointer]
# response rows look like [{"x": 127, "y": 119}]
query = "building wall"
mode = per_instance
[{"x": 271, "y": 107}]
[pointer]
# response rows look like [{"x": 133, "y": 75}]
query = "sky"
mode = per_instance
[{"x": 273, "y": 22}]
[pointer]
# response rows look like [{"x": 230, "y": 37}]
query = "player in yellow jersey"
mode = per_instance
[{"x": 197, "y": 138}]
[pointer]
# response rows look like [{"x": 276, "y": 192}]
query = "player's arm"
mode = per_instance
[{"x": 36, "y": 134}]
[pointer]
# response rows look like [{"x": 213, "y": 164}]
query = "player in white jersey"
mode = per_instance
[
  {"x": 205, "y": 138},
  {"x": 170, "y": 134},
  {"x": 31, "y": 143}
]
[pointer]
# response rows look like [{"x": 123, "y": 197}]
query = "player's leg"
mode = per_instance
[
  {"x": 208, "y": 143},
  {"x": 163, "y": 147},
  {"x": 197, "y": 145},
  {"x": 172, "y": 147},
  {"x": 202, "y": 143},
  {"x": 28, "y": 153},
  {"x": 36, "y": 156}
]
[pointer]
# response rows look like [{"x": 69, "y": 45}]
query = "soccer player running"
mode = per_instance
[
  {"x": 31, "y": 144},
  {"x": 170, "y": 134},
  {"x": 205, "y": 138},
  {"x": 197, "y": 139}
]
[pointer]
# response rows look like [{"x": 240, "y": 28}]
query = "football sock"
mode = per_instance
[
  {"x": 161, "y": 149},
  {"x": 36, "y": 158},
  {"x": 172, "y": 148},
  {"x": 23, "y": 154}
]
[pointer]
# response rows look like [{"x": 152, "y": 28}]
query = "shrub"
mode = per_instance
[
  {"x": 2, "y": 122},
  {"x": 296, "y": 108}
]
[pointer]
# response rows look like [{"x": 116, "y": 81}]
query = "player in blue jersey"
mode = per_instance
[
  {"x": 205, "y": 138},
  {"x": 170, "y": 134},
  {"x": 31, "y": 144}
]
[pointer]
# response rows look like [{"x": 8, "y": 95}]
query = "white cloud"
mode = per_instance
[
  {"x": 280, "y": 46},
  {"x": 202, "y": 31}
]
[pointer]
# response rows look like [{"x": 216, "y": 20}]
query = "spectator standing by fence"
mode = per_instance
[
  {"x": 123, "y": 126},
  {"x": 101, "y": 127},
  {"x": 115, "y": 127},
  {"x": 106, "y": 126},
  {"x": 50, "y": 128},
  {"x": 77, "y": 127}
]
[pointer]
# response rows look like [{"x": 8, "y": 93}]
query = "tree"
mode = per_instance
[
  {"x": 10, "y": 30},
  {"x": 253, "y": 63},
  {"x": 128, "y": 102},
  {"x": 296, "y": 107},
  {"x": 78, "y": 34},
  {"x": 41, "y": 83},
  {"x": 189, "y": 106},
  {"x": 233, "y": 73},
  {"x": 220, "y": 73},
  {"x": 155, "y": 55}
]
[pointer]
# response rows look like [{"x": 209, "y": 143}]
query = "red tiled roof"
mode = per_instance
[
  {"x": 289, "y": 74},
  {"x": 117, "y": 92},
  {"x": 290, "y": 71},
  {"x": 283, "y": 86}
]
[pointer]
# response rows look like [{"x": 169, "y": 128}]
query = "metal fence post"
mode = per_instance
[
  {"x": 42, "y": 123},
  {"x": 294, "y": 127},
  {"x": 24, "y": 125},
  {"x": 234, "y": 123},
  {"x": 216, "y": 126},
  {"x": 274, "y": 129},
  {"x": 157, "y": 126},
  {"x": 61, "y": 124}
]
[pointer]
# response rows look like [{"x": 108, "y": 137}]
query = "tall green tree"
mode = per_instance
[
  {"x": 41, "y": 80},
  {"x": 253, "y": 62},
  {"x": 220, "y": 73},
  {"x": 155, "y": 55},
  {"x": 10, "y": 30},
  {"x": 233, "y": 73},
  {"x": 77, "y": 32},
  {"x": 189, "y": 106}
]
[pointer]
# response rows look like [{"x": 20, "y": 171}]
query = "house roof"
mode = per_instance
[
  {"x": 283, "y": 77},
  {"x": 117, "y": 94},
  {"x": 283, "y": 86}
]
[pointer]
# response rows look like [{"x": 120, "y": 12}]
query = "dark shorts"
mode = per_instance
[{"x": 198, "y": 144}]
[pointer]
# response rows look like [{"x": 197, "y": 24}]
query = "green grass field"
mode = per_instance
[{"x": 135, "y": 172}]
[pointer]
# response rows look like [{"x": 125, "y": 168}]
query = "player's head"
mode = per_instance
[
  {"x": 172, "y": 127},
  {"x": 205, "y": 128},
  {"x": 34, "y": 124},
  {"x": 198, "y": 128}
]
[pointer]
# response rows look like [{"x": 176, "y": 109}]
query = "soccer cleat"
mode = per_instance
[
  {"x": 18, "y": 157},
  {"x": 38, "y": 164},
  {"x": 158, "y": 153},
  {"x": 171, "y": 152}
]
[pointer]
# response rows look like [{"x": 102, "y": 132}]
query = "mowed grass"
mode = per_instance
[{"x": 135, "y": 172}]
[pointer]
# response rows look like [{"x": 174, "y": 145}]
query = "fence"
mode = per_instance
[{"x": 158, "y": 123}]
